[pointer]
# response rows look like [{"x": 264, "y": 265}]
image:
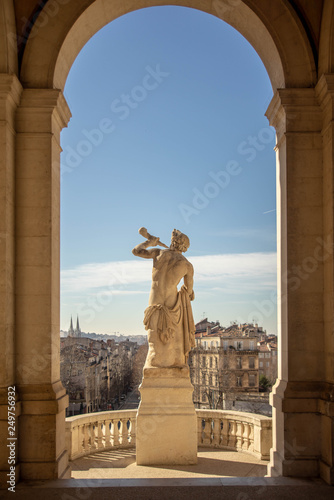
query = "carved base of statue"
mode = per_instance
[{"x": 166, "y": 420}]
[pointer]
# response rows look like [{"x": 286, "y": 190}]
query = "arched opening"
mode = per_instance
[
  {"x": 287, "y": 55},
  {"x": 171, "y": 148}
]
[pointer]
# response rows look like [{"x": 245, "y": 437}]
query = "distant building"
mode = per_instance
[
  {"x": 268, "y": 360},
  {"x": 225, "y": 362}
]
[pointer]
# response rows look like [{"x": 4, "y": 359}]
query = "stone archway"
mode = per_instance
[
  {"x": 66, "y": 26},
  {"x": 278, "y": 35}
]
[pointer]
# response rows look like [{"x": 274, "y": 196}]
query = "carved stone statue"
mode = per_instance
[{"x": 168, "y": 318}]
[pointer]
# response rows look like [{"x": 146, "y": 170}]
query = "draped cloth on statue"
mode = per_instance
[{"x": 170, "y": 319}]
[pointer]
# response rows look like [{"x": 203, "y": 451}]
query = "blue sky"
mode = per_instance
[{"x": 168, "y": 131}]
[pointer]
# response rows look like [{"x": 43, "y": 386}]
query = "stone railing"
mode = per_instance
[
  {"x": 92, "y": 432},
  {"x": 235, "y": 430},
  {"x": 101, "y": 431}
]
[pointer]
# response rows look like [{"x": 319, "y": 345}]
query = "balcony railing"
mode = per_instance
[{"x": 102, "y": 431}]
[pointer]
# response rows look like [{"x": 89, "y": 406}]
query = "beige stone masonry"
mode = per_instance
[
  {"x": 166, "y": 419},
  {"x": 41, "y": 116},
  {"x": 297, "y": 117},
  {"x": 10, "y": 91},
  {"x": 325, "y": 94}
]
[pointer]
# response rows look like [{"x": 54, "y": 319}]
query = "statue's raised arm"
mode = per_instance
[
  {"x": 168, "y": 318},
  {"x": 151, "y": 241}
]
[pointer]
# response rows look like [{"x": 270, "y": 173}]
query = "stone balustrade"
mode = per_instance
[
  {"x": 235, "y": 430},
  {"x": 101, "y": 431},
  {"x": 92, "y": 432}
]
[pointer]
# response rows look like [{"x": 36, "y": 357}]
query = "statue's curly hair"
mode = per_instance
[{"x": 183, "y": 242}]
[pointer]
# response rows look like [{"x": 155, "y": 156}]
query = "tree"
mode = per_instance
[
  {"x": 264, "y": 384},
  {"x": 138, "y": 365}
]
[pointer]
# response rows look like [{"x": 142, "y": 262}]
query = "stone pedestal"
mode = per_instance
[{"x": 166, "y": 418}]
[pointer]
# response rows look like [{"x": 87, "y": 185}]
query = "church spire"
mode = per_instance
[
  {"x": 71, "y": 329},
  {"x": 77, "y": 331}
]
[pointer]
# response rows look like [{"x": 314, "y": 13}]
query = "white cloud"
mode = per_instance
[{"x": 229, "y": 271}]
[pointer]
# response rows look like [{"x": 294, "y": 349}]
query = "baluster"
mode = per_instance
[
  {"x": 99, "y": 435},
  {"x": 133, "y": 427},
  {"x": 107, "y": 434},
  {"x": 93, "y": 438},
  {"x": 251, "y": 438},
  {"x": 225, "y": 432},
  {"x": 206, "y": 431},
  {"x": 199, "y": 431},
  {"x": 245, "y": 436},
  {"x": 112, "y": 432},
  {"x": 239, "y": 435},
  {"x": 211, "y": 430},
  {"x": 116, "y": 423},
  {"x": 87, "y": 439},
  {"x": 232, "y": 433},
  {"x": 81, "y": 439},
  {"x": 216, "y": 432},
  {"x": 124, "y": 432},
  {"x": 95, "y": 435}
]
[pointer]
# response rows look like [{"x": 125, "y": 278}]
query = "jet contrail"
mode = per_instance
[{"x": 268, "y": 212}]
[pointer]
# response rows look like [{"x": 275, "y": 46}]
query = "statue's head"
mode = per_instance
[{"x": 179, "y": 241}]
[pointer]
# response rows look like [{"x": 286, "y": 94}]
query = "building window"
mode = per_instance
[
  {"x": 251, "y": 380},
  {"x": 239, "y": 382},
  {"x": 261, "y": 364},
  {"x": 210, "y": 362},
  {"x": 203, "y": 361},
  {"x": 261, "y": 355},
  {"x": 212, "y": 344},
  {"x": 267, "y": 363},
  {"x": 216, "y": 381},
  {"x": 251, "y": 362},
  {"x": 251, "y": 345},
  {"x": 203, "y": 379},
  {"x": 205, "y": 344},
  {"x": 239, "y": 363},
  {"x": 210, "y": 380},
  {"x": 204, "y": 398},
  {"x": 267, "y": 354},
  {"x": 216, "y": 362},
  {"x": 225, "y": 345}
]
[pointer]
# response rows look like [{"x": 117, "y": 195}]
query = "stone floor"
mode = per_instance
[{"x": 121, "y": 464}]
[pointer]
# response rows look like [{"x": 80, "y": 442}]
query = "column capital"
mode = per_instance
[
  {"x": 36, "y": 108},
  {"x": 10, "y": 85},
  {"x": 295, "y": 110},
  {"x": 10, "y": 95},
  {"x": 325, "y": 94},
  {"x": 325, "y": 87}
]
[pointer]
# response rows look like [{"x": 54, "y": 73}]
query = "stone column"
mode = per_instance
[
  {"x": 297, "y": 117},
  {"x": 10, "y": 90},
  {"x": 41, "y": 116},
  {"x": 325, "y": 92}
]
